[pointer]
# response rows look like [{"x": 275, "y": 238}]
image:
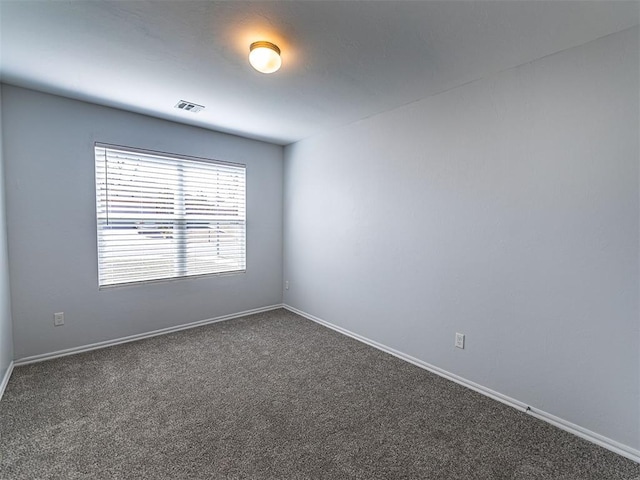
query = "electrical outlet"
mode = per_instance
[
  {"x": 459, "y": 340},
  {"x": 58, "y": 319},
  {"x": 286, "y": 285}
]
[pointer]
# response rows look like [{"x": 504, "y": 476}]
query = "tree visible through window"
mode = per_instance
[{"x": 164, "y": 216}]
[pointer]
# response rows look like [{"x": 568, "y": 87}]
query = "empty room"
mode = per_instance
[{"x": 320, "y": 239}]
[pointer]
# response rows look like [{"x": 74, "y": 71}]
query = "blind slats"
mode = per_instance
[{"x": 162, "y": 217}]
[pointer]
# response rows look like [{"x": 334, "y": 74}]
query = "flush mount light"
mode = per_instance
[{"x": 265, "y": 57}]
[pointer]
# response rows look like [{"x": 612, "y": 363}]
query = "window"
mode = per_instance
[{"x": 164, "y": 216}]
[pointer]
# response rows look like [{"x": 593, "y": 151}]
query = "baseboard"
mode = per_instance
[
  {"x": 5, "y": 379},
  {"x": 140, "y": 336},
  {"x": 577, "y": 430}
]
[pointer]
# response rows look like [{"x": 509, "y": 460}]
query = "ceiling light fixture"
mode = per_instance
[{"x": 265, "y": 57}]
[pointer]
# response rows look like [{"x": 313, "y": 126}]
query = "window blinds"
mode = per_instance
[{"x": 161, "y": 216}]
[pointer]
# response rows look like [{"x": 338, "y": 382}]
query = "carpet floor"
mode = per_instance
[{"x": 271, "y": 396}]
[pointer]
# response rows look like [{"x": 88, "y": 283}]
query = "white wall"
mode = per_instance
[
  {"x": 506, "y": 209},
  {"x": 6, "y": 334},
  {"x": 48, "y": 152}
]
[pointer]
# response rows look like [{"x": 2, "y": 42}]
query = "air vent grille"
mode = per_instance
[{"x": 189, "y": 106}]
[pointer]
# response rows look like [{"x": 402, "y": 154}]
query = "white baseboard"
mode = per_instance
[
  {"x": 140, "y": 336},
  {"x": 581, "y": 432},
  {"x": 5, "y": 380}
]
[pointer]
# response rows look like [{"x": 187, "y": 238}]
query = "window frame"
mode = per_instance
[{"x": 182, "y": 245}]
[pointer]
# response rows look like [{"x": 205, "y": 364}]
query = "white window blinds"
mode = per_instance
[{"x": 162, "y": 216}]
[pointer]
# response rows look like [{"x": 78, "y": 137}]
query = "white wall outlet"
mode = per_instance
[
  {"x": 460, "y": 340},
  {"x": 58, "y": 319},
  {"x": 286, "y": 285}
]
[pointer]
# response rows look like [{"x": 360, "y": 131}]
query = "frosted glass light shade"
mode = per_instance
[{"x": 265, "y": 57}]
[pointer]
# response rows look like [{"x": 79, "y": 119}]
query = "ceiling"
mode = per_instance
[{"x": 342, "y": 61}]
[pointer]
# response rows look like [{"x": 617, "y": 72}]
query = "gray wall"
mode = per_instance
[
  {"x": 48, "y": 152},
  {"x": 506, "y": 209},
  {"x": 6, "y": 335}
]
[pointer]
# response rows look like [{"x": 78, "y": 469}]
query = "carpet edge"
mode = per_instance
[
  {"x": 140, "y": 336},
  {"x": 593, "y": 437},
  {"x": 5, "y": 379}
]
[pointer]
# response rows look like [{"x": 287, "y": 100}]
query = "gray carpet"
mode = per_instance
[{"x": 271, "y": 396}]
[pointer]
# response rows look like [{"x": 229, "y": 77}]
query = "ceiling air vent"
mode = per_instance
[{"x": 189, "y": 107}]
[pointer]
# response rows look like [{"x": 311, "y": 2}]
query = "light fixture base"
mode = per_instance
[{"x": 263, "y": 44}]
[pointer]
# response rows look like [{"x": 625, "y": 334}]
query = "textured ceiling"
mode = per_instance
[{"x": 342, "y": 61}]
